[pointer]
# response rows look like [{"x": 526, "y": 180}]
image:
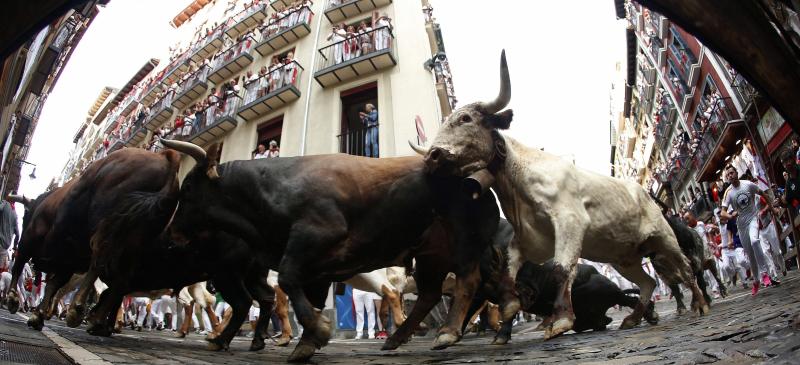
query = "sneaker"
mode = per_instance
[
  {"x": 755, "y": 288},
  {"x": 776, "y": 282},
  {"x": 766, "y": 280},
  {"x": 359, "y": 335},
  {"x": 371, "y": 336},
  {"x": 382, "y": 335}
]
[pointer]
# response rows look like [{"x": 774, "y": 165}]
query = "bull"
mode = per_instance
[
  {"x": 326, "y": 218},
  {"x": 558, "y": 210}
]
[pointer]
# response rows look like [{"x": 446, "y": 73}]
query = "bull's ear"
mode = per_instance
[
  {"x": 212, "y": 156},
  {"x": 501, "y": 120}
]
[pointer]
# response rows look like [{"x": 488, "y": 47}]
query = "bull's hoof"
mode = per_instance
[
  {"x": 216, "y": 344},
  {"x": 444, "y": 340},
  {"x": 501, "y": 339},
  {"x": 680, "y": 311},
  {"x": 650, "y": 315},
  {"x": 283, "y": 341},
  {"x": 704, "y": 310},
  {"x": 12, "y": 303},
  {"x": 36, "y": 322},
  {"x": 391, "y": 344},
  {"x": 559, "y": 327},
  {"x": 303, "y": 351},
  {"x": 180, "y": 334},
  {"x": 98, "y": 330},
  {"x": 74, "y": 318},
  {"x": 629, "y": 323},
  {"x": 257, "y": 344}
]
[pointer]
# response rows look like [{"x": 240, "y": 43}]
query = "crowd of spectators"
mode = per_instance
[{"x": 349, "y": 42}]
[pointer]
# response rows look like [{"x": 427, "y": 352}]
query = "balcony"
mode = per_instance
[
  {"x": 116, "y": 145},
  {"x": 232, "y": 61},
  {"x": 129, "y": 103},
  {"x": 712, "y": 119},
  {"x": 160, "y": 112},
  {"x": 266, "y": 94},
  {"x": 191, "y": 89},
  {"x": 136, "y": 137},
  {"x": 218, "y": 122},
  {"x": 336, "y": 66},
  {"x": 207, "y": 46},
  {"x": 280, "y": 34},
  {"x": 245, "y": 19},
  {"x": 279, "y": 5},
  {"x": 151, "y": 92},
  {"x": 337, "y": 10},
  {"x": 176, "y": 68},
  {"x": 353, "y": 142}
]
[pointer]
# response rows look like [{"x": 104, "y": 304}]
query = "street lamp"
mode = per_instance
[{"x": 33, "y": 173}]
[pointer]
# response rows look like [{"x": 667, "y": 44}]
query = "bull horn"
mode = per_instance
[
  {"x": 191, "y": 149},
  {"x": 417, "y": 148},
  {"x": 19, "y": 199},
  {"x": 505, "y": 89}
]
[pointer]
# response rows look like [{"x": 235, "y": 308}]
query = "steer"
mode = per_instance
[
  {"x": 557, "y": 209},
  {"x": 592, "y": 292},
  {"x": 325, "y": 218}
]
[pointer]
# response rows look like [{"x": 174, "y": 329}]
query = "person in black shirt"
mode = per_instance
[{"x": 791, "y": 195}]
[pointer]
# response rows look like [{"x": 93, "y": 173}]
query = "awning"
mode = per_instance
[
  {"x": 726, "y": 146},
  {"x": 188, "y": 12},
  {"x": 137, "y": 77}
]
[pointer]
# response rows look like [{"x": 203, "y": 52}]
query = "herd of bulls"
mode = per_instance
[{"x": 323, "y": 219}]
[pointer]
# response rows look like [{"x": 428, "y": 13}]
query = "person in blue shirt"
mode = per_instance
[{"x": 370, "y": 120}]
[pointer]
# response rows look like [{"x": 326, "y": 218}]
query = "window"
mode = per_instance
[
  {"x": 268, "y": 132},
  {"x": 682, "y": 53},
  {"x": 356, "y": 138}
]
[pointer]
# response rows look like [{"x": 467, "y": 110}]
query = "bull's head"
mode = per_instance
[
  {"x": 199, "y": 192},
  {"x": 464, "y": 144}
]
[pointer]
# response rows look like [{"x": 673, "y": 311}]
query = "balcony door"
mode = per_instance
[
  {"x": 353, "y": 131},
  {"x": 269, "y": 131}
]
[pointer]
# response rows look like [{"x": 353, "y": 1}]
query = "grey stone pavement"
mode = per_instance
[{"x": 741, "y": 329}]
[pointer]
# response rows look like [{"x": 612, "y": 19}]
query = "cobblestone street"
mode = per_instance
[{"x": 741, "y": 329}]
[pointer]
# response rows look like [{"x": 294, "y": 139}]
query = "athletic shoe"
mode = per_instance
[
  {"x": 766, "y": 280},
  {"x": 755, "y": 288},
  {"x": 382, "y": 335}
]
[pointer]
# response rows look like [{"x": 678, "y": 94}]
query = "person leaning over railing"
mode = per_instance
[
  {"x": 275, "y": 77},
  {"x": 289, "y": 70}
]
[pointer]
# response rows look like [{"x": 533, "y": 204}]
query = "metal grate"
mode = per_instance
[{"x": 12, "y": 352}]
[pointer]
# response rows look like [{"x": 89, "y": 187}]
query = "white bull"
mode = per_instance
[{"x": 558, "y": 210}]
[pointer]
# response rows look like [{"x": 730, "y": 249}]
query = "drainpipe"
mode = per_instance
[{"x": 311, "y": 81}]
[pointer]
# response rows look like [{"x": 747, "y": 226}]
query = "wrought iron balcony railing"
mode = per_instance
[
  {"x": 353, "y": 57},
  {"x": 271, "y": 91}
]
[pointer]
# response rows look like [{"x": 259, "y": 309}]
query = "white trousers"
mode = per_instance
[
  {"x": 362, "y": 300},
  {"x": 769, "y": 244}
]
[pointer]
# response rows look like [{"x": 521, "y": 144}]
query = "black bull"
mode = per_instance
[{"x": 320, "y": 219}]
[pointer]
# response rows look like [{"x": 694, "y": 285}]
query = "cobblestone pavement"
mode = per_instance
[{"x": 740, "y": 330}]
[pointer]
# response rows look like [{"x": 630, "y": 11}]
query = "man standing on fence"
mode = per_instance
[{"x": 370, "y": 120}]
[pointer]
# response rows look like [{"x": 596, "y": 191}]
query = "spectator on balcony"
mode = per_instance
[
  {"x": 274, "y": 150},
  {"x": 260, "y": 152},
  {"x": 289, "y": 69},
  {"x": 304, "y": 13},
  {"x": 796, "y": 148},
  {"x": 272, "y": 25},
  {"x": 275, "y": 74},
  {"x": 263, "y": 87},
  {"x": 188, "y": 123},
  {"x": 365, "y": 38},
  {"x": 351, "y": 45},
  {"x": 741, "y": 195},
  {"x": 199, "y": 115},
  {"x": 370, "y": 119},
  {"x": 383, "y": 31},
  {"x": 334, "y": 3},
  {"x": 337, "y": 37}
]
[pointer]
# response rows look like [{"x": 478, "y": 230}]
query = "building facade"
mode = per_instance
[
  {"x": 695, "y": 115},
  {"x": 298, "y": 73},
  {"x": 27, "y": 77}
]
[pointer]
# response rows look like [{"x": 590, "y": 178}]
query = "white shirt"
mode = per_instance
[{"x": 259, "y": 155}]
